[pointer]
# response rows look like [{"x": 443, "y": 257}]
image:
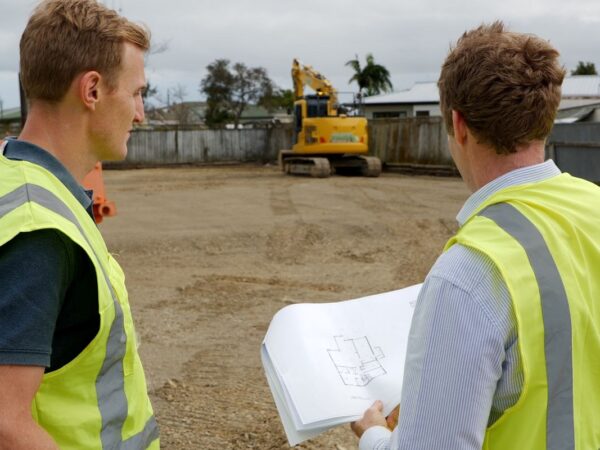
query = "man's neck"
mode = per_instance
[
  {"x": 490, "y": 165},
  {"x": 60, "y": 133}
]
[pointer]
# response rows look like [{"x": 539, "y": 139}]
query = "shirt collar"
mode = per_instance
[
  {"x": 25, "y": 151},
  {"x": 524, "y": 175}
]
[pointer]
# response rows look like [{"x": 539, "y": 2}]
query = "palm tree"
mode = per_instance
[{"x": 372, "y": 78}]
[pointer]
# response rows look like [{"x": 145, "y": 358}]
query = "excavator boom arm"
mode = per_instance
[{"x": 304, "y": 75}]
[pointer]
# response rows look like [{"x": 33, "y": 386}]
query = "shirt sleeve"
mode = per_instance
[
  {"x": 375, "y": 438},
  {"x": 454, "y": 360},
  {"x": 35, "y": 273}
]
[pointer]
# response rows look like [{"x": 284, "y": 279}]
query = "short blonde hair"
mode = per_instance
[
  {"x": 506, "y": 85},
  {"x": 64, "y": 38}
]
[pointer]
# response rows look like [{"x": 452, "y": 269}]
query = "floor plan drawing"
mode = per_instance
[{"x": 356, "y": 361}]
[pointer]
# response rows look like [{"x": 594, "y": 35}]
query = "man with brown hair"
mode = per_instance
[
  {"x": 70, "y": 374},
  {"x": 503, "y": 348}
]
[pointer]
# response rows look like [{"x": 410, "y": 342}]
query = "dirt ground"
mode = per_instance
[{"x": 211, "y": 254}]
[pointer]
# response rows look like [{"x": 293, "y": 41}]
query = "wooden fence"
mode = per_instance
[
  {"x": 418, "y": 143},
  {"x": 197, "y": 146},
  {"x": 410, "y": 141}
]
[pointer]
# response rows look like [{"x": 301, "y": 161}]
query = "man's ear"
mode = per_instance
[
  {"x": 89, "y": 88},
  {"x": 459, "y": 127}
]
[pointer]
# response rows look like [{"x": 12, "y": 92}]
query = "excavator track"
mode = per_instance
[
  {"x": 371, "y": 166},
  {"x": 357, "y": 165},
  {"x": 314, "y": 167},
  {"x": 321, "y": 166}
]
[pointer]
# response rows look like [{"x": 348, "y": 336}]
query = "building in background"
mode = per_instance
[
  {"x": 190, "y": 114},
  {"x": 10, "y": 121},
  {"x": 421, "y": 100},
  {"x": 580, "y": 101}
]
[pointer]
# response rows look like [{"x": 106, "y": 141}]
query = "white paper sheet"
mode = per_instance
[{"x": 327, "y": 363}]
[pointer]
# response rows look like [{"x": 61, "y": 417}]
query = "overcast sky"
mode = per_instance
[{"x": 410, "y": 38}]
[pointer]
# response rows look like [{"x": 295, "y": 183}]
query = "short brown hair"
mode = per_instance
[
  {"x": 506, "y": 85},
  {"x": 64, "y": 38}
]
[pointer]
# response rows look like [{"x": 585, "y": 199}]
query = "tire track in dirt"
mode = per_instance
[
  {"x": 281, "y": 202},
  {"x": 211, "y": 254}
]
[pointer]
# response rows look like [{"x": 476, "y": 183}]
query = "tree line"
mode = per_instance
[
  {"x": 230, "y": 88},
  {"x": 584, "y": 68}
]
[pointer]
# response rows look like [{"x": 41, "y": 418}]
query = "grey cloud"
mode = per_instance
[{"x": 410, "y": 38}]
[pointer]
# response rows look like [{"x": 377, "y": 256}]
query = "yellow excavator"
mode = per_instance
[{"x": 327, "y": 140}]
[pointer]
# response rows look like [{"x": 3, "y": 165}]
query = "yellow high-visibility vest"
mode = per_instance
[
  {"x": 545, "y": 239},
  {"x": 98, "y": 400}
]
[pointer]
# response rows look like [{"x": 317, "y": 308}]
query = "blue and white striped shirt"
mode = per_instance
[{"x": 463, "y": 368}]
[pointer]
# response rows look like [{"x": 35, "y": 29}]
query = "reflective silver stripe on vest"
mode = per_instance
[
  {"x": 560, "y": 433},
  {"x": 143, "y": 438},
  {"x": 110, "y": 387}
]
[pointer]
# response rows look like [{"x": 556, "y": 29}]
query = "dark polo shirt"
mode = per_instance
[{"x": 48, "y": 290}]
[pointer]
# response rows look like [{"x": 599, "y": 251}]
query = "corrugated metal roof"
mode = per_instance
[
  {"x": 575, "y": 86},
  {"x": 567, "y": 103},
  {"x": 572, "y": 115},
  {"x": 426, "y": 92},
  {"x": 10, "y": 114},
  {"x": 581, "y": 86}
]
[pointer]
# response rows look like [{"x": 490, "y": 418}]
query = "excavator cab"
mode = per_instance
[
  {"x": 317, "y": 105},
  {"x": 298, "y": 118}
]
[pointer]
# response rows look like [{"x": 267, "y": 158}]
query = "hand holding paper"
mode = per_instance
[
  {"x": 372, "y": 417},
  {"x": 327, "y": 363}
]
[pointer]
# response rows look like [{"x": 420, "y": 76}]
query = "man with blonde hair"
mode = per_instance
[
  {"x": 70, "y": 374},
  {"x": 503, "y": 349}
]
